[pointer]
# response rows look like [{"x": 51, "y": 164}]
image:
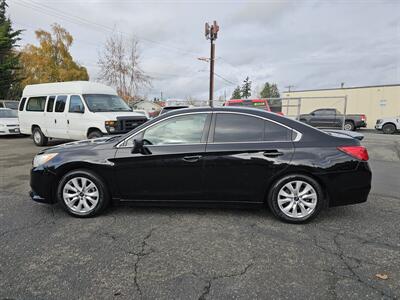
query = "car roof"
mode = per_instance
[{"x": 70, "y": 87}]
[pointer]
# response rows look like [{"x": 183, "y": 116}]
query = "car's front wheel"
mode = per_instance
[
  {"x": 82, "y": 193},
  {"x": 389, "y": 128},
  {"x": 296, "y": 198}
]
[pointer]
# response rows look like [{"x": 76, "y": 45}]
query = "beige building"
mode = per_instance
[{"x": 373, "y": 101}]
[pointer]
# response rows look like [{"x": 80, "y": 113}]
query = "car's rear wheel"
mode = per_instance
[
  {"x": 349, "y": 126},
  {"x": 296, "y": 198},
  {"x": 38, "y": 137},
  {"x": 388, "y": 128},
  {"x": 82, "y": 193}
]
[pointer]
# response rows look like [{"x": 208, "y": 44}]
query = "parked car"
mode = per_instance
[
  {"x": 11, "y": 104},
  {"x": 388, "y": 125},
  {"x": 208, "y": 156},
  {"x": 255, "y": 103},
  {"x": 166, "y": 109},
  {"x": 332, "y": 118},
  {"x": 74, "y": 110},
  {"x": 8, "y": 121},
  {"x": 142, "y": 112}
]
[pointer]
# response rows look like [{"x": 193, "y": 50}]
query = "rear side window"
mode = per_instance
[
  {"x": 238, "y": 128},
  {"x": 276, "y": 132},
  {"x": 50, "y": 103},
  {"x": 22, "y": 104},
  {"x": 36, "y": 104},
  {"x": 60, "y": 103}
]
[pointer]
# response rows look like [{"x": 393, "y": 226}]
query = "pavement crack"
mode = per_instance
[
  {"x": 209, "y": 284},
  {"x": 139, "y": 255}
]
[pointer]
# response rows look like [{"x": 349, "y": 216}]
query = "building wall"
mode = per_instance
[{"x": 374, "y": 102}]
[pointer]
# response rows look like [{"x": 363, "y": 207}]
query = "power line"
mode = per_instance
[{"x": 47, "y": 10}]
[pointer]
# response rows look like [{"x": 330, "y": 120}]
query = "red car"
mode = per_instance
[{"x": 256, "y": 103}]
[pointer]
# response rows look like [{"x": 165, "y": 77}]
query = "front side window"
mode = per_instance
[
  {"x": 76, "y": 105},
  {"x": 187, "y": 129},
  {"x": 60, "y": 103},
  {"x": 36, "y": 104},
  {"x": 50, "y": 103},
  {"x": 238, "y": 128},
  {"x": 103, "y": 102}
]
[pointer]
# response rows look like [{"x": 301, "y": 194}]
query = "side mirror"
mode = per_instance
[
  {"x": 312, "y": 113},
  {"x": 139, "y": 147}
]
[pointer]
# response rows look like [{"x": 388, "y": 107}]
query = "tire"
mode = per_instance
[
  {"x": 389, "y": 128},
  {"x": 95, "y": 134},
  {"x": 277, "y": 203},
  {"x": 82, "y": 205},
  {"x": 349, "y": 126},
  {"x": 38, "y": 137}
]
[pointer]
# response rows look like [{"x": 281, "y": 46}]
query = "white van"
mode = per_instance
[{"x": 74, "y": 110}]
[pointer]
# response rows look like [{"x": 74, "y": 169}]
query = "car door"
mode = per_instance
[
  {"x": 58, "y": 127},
  {"x": 244, "y": 154},
  {"x": 76, "y": 118},
  {"x": 173, "y": 167},
  {"x": 49, "y": 116},
  {"x": 323, "y": 118}
]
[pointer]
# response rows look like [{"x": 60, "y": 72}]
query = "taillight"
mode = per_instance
[
  {"x": 358, "y": 152},
  {"x": 363, "y": 117}
]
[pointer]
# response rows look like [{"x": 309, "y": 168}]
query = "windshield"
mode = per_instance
[
  {"x": 8, "y": 114},
  {"x": 102, "y": 102},
  {"x": 11, "y": 104}
]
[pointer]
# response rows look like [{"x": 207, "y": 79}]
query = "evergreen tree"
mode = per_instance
[
  {"x": 9, "y": 58},
  {"x": 270, "y": 91},
  {"x": 246, "y": 88},
  {"x": 237, "y": 93}
]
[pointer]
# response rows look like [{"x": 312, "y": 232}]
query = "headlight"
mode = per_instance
[
  {"x": 110, "y": 123},
  {"x": 42, "y": 159}
]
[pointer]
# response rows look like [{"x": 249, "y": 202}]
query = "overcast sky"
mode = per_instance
[{"x": 308, "y": 44}]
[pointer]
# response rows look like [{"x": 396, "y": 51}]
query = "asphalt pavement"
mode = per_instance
[{"x": 182, "y": 253}]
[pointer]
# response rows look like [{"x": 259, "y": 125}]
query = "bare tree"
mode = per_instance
[{"x": 120, "y": 67}]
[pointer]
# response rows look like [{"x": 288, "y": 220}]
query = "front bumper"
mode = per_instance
[
  {"x": 9, "y": 131},
  {"x": 378, "y": 126},
  {"x": 42, "y": 186}
]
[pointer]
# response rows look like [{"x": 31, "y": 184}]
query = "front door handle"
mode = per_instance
[
  {"x": 272, "y": 153},
  {"x": 55, "y": 121},
  {"x": 193, "y": 158},
  {"x": 67, "y": 121}
]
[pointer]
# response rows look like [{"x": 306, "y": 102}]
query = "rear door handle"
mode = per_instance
[
  {"x": 55, "y": 121},
  {"x": 193, "y": 158},
  {"x": 272, "y": 153}
]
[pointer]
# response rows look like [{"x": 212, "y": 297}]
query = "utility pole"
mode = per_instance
[
  {"x": 289, "y": 87},
  {"x": 211, "y": 33}
]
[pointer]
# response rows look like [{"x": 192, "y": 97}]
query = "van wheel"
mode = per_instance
[
  {"x": 38, "y": 137},
  {"x": 95, "y": 134}
]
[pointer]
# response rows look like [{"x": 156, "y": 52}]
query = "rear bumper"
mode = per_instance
[
  {"x": 361, "y": 124},
  {"x": 349, "y": 187}
]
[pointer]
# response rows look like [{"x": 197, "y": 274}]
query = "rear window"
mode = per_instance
[
  {"x": 50, "y": 103},
  {"x": 22, "y": 104},
  {"x": 11, "y": 104},
  {"x": 238, "y": 128},
  {"x": 60, "y": 103},
  {"x": 36, "y": 104}
]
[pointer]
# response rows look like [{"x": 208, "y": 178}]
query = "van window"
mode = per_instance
[
  {"x": 50, "y": 103},
  {"x": 60, "y": 103},
  {"x": 76, "y": 104},
  {"x": 22, "y": 104},
  {"x": 36, "y": 104}
]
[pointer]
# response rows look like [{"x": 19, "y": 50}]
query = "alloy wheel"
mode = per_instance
[
  {"x": 297, "y": 199},
  {"x": 81, "y": 195}
]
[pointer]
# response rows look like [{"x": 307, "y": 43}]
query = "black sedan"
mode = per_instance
[{"x": 208, "y": 156}]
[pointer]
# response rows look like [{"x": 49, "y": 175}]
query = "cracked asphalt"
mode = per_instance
[{"x": 182, "y": 253}]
